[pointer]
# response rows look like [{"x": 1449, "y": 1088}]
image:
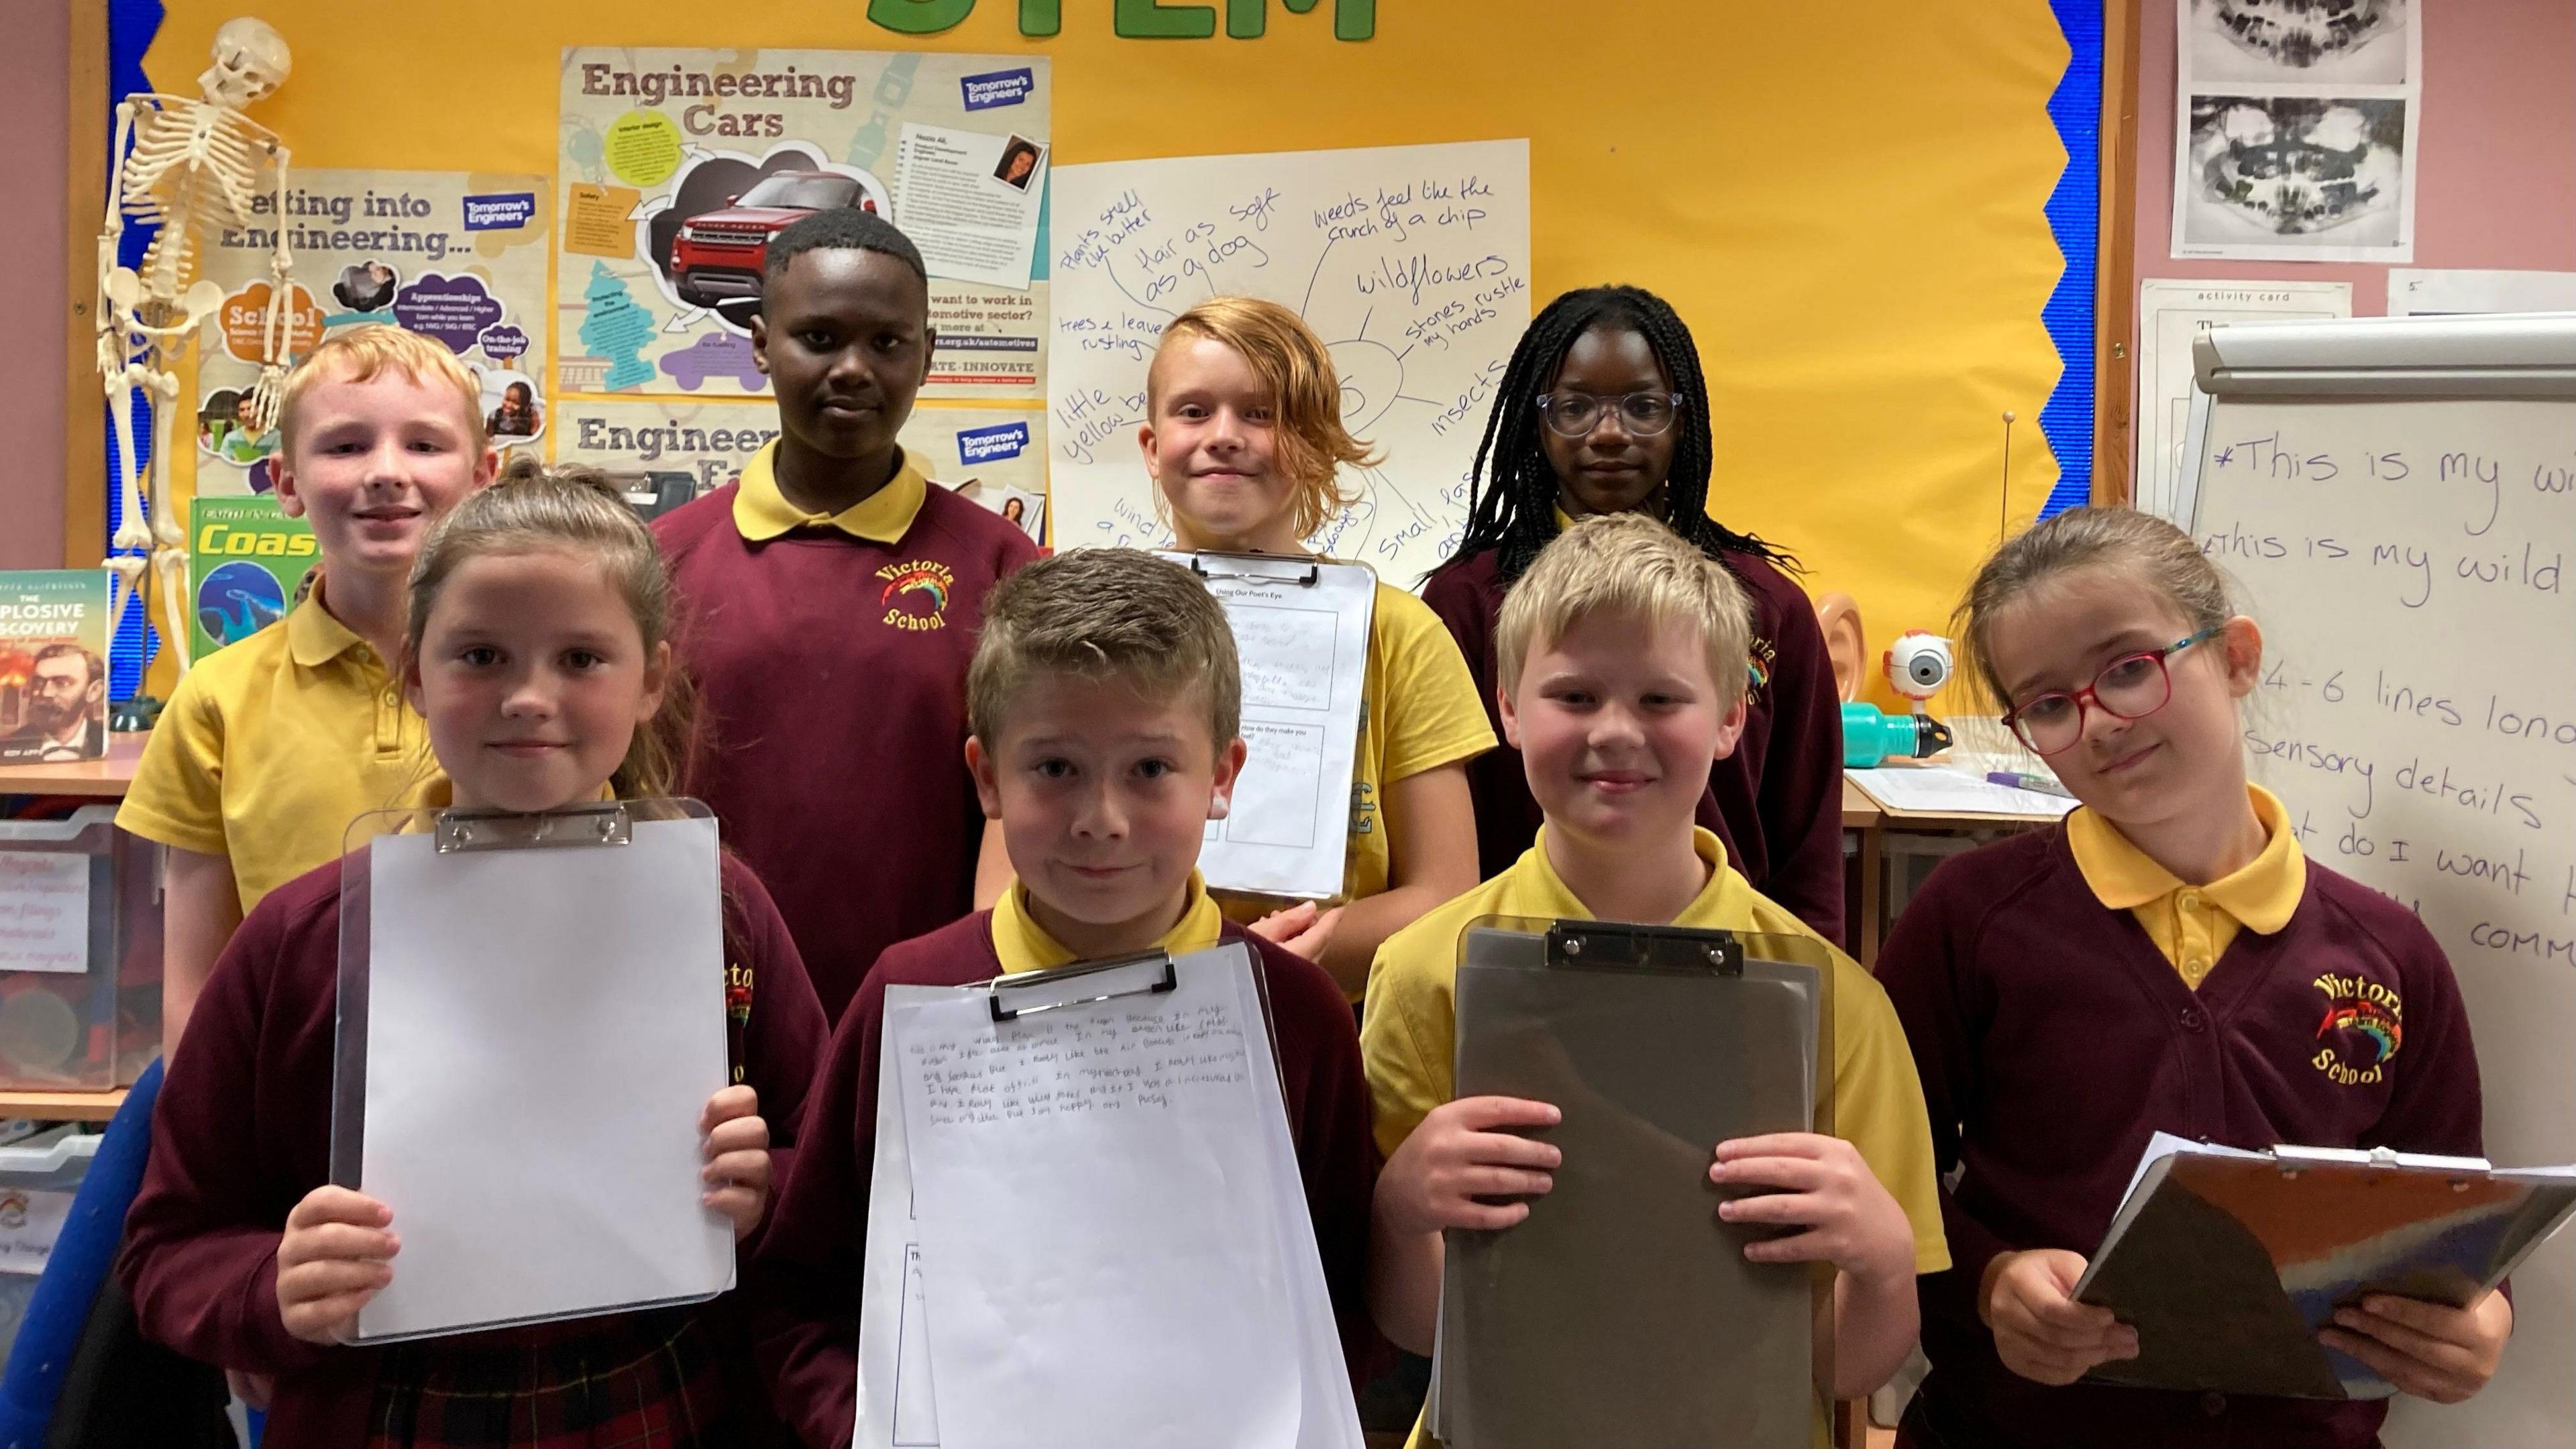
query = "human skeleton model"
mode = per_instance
[{"x": 194, "y": 168}]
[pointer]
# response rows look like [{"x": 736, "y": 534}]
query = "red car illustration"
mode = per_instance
[{"x": 718, "y": 255}]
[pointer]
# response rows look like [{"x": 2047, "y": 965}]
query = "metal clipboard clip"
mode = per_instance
[
  {"x": 1168, "y": 980},
  {"x": 463, "y": 831},
  {"x": 1617, "y": 946},
  {"x": 1304, "y": 573}
]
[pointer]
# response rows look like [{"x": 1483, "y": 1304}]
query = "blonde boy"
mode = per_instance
[
  {"x": 272, "y": 746},
  {"x": 1622, "y": 657}
]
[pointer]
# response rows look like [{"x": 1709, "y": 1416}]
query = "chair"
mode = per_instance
[{"x": 80, "y": 1376}]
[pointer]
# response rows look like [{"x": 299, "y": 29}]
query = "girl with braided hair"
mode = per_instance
[{"x": 1604, "y": 410}]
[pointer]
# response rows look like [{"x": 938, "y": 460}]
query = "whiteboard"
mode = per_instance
[
  {"x": 2397, "y": 502},
  {"x": 1410, "y": 262}
]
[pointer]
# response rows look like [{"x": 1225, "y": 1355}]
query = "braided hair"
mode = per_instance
[{"x": 1513, "y": 497}]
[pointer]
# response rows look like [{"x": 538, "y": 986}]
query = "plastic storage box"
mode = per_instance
[
  {"x": 37, "y": 1179},
  {"x": 80, "y": 953}
]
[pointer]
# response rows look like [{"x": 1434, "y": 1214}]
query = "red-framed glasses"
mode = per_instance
[{"x": 2132, "y": 686}]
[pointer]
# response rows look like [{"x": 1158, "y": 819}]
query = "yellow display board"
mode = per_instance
[{"x": 1844, "y": 202}]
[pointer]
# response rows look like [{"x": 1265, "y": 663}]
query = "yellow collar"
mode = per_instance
[
  {"x": 1724, "y": 903},
  {"x": 2262, "y": 894},
  {"x": 315, "y": 638},
  {"x": 762, "y": 512},
  {"x": 1023, "y": 945}
]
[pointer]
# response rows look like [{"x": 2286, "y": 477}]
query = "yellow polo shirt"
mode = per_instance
[
  {"x": 761, "y": 512},
  {"x": 1023, "y": 944},
  {"x": 1409, "y": 1033},
  {"x": 2192, "y": 925},
  {"x": 272, "y": 746},
  {"x": 1419, "y": 710}
]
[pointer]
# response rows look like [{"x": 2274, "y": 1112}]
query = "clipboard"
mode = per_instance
[
  {"x": 2227, "y": 1262},
  {"x": 1598, "y": 1318},
  {"x": 897, "y": 1395},
  {"x": 531, "y": 1018},
  {"x": 1301, "y": 631}
]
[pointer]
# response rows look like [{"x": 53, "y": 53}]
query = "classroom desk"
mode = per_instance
[
  {"x": 1868, "y": 825},
  {"x": 100, "y": 779}
]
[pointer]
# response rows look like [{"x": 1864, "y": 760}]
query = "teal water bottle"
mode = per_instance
[{"x": 1870, "y": 735}]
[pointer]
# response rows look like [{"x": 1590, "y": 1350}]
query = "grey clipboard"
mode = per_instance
[{"x": 1621, "y": 1314}]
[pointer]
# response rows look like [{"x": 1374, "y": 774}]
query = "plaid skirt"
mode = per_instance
[{"x": 631, "y": 1381}]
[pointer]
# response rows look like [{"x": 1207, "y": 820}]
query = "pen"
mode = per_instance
[{"x": 2019, "y": 781}]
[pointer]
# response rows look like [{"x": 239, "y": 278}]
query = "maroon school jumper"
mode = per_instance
[
  {"x": 1776, "y": 801},
  {"x": 805, "y": 1281},
  {"x": 832, "y": 676},
  {"x": 242, "y": 1132},
  {"x": 2053, "y": 1037}
]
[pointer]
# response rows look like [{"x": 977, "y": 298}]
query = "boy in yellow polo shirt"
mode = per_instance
[
  {"x": 1623, "y": 663},
  {"x": 270, "y": 747}
]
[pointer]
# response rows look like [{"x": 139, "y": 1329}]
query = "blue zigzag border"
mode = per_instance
[
  {"x": 2075, "y": 216},
  {"x": 131, "y": 24}
]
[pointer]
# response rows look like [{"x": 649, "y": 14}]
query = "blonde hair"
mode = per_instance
[
  {"x": 531, "y": 508},
  {"x": 1298, "y": 375},
  {"x": 2151, "y": 551},
  {"x": 1099, "y": 614},
  {"x": 1631, "y": 566},
  {"x": 365, "y": 352}
]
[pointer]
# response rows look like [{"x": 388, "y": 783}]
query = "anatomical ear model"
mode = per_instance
[{"x": 195, "y": 168}]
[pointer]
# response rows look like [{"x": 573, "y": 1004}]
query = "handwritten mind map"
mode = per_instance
[{"x": 1410, "y": 262}]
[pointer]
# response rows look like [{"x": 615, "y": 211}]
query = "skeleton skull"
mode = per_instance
[{"x": 251, "y": 61}]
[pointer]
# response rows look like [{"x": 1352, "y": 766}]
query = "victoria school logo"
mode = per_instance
[
  {"x": 2363, "y": 1027},
  {"x": 916, "y": 594}
]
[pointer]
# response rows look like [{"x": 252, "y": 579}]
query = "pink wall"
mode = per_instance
[
  {"x": 33, "y": 88},
  {"x": 2496, "y": 182}
]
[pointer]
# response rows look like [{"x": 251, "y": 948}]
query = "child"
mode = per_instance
[
  {"x": 835, "y": 598},
  {"x": 1243, "y": 437},
  {"x": 269, "y": 748},
  {"x": 1105, "y": 702},
  {"x": 1622, "y": 658},
  {"x": 538, "y": 652},
  {"x": 1603, "y": 410},
  {"x": 2159, "y": 963}
]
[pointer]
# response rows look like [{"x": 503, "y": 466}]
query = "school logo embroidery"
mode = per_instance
[
  {"x": 2363, "y": 1027},
  {"x": 1764, "y": 657},
  {"x": 916, "y": 594}
]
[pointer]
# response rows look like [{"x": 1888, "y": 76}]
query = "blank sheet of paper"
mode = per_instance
[
  {"x": 543, "y": 1027},
  {"x": 1099, "y": 1223}
]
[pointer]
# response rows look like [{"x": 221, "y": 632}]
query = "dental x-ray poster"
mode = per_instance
[{"x": 2295, "y": 130}]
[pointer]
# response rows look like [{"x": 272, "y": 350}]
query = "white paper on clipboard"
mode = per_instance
[
  {"x": 1218, "y": 997},
  {"x": 896, "y": 1410},
  {"x": 1301, "y": 630},
  {"x": 531, "y": 1034}
]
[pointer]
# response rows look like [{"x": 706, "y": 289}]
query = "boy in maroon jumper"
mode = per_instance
[
  {"x": 1106, "y": 700},
  {"x": 2168, "y": 960},
  {"x": 834, "y": 595}
]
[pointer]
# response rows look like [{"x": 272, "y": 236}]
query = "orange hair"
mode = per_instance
[
  {"x": 361, "y": 354},
  {"x": 1307, "y": 394}
]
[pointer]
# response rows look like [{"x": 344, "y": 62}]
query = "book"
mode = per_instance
[
  {"x": 247, "y": 562},
  {"x": 2228, "y": 1262},
  {"x": 53, "y": 665}
]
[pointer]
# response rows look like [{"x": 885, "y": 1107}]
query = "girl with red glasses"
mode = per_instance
[{"x": 2160, "y": 962}]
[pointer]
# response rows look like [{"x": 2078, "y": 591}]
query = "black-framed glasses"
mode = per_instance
[
  {"x": 1576, "y": 414},
  {"x": 2132, "y": 686}
]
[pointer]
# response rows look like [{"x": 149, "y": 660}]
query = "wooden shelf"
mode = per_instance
[
  {"x": 63, "y": 1106},
  {"x": 103, "y": 779}
]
